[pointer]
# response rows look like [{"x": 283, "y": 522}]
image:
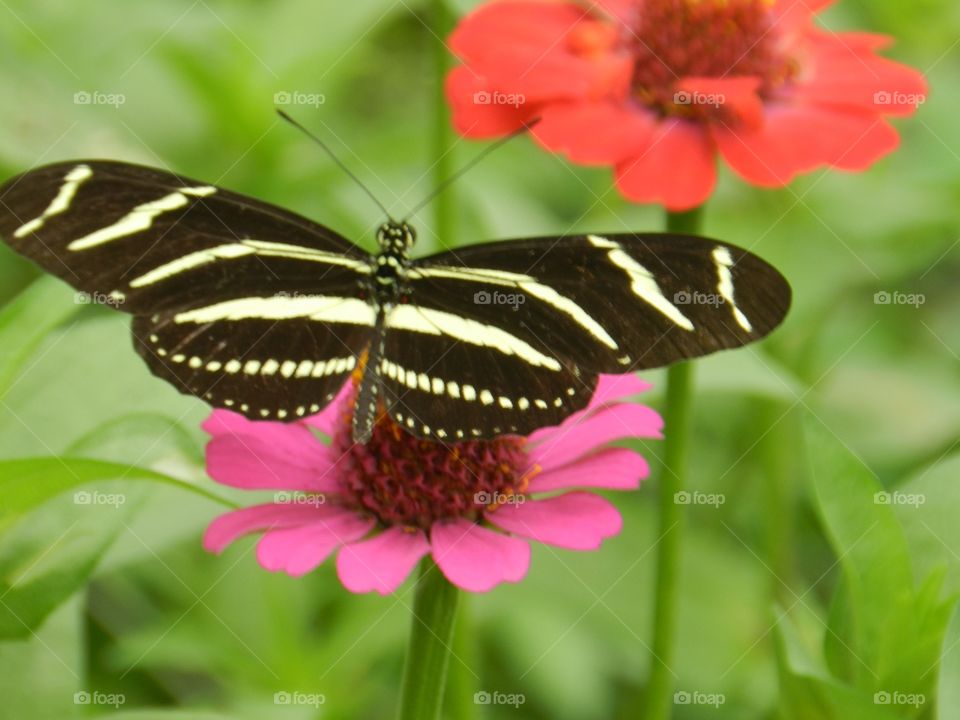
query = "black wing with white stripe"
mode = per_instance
[
  {"x": 527, "y": 325},
  {"x": 238, "y": 302},
  {"x": 256, "y": 309}
]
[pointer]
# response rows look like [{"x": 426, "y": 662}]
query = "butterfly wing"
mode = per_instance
[
  {"x": 535, "y": 321},
  {"x": 239, "y": 302}
]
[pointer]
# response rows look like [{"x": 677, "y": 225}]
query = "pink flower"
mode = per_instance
[
  {"x": 658, "y": 90},
  {"x": 474, "y": 505}
]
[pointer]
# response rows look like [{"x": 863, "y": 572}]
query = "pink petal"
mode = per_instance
[
  {"x": 597, "y": 133},
  {"x": 796, "y": 139},
  {"x": 569, "y": 442},
  {"x": 276, "y": 457},
  {"x": 232, "y": 525},
  {"x": 296, "y": 551},
  {"x": 678, "y": 169},
  {"x": 613, "y": 468},
  {"x": 477, "y": 558},
  {"x": 326, "y": 421},
  {"x": 381, "y": 563},
  {"x": 610, "y": 389},
  {"x": 574, "y": 520}
]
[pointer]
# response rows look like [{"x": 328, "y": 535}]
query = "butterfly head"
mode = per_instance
[{"x": 396, "y": 237}]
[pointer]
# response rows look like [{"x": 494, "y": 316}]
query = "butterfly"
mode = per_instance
[{"x": 260, "y": 311}]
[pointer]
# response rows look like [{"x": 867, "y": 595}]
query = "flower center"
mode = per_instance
[
  {"x": 403, "y": 480},
  {"x": 673, "y": 40}
]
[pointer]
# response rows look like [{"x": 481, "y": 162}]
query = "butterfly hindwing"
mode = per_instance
[
  {"x": 263, "y": 369},
  {"x": 440, "y": 387}
]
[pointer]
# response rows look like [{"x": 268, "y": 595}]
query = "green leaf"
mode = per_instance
[
  {"x": 45, "y": 561},
  {"x": 25, "y": 484},
  {"x": 145, "y": 436},
  {"x": 884, "y": 634},
  {"x": 930, "y": 522},
  {"x": 807, "y": 692},
  {"x": 27, "y": 319}
]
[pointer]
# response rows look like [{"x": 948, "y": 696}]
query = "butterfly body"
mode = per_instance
[{"x": 263, "y": 312}]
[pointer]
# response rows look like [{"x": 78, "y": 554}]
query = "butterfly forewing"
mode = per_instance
[
  {"x": 145, "y": 240},
  {"x": 612, "y": 303}
]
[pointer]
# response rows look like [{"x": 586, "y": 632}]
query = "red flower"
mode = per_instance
[{"x": 657, "y": 88}]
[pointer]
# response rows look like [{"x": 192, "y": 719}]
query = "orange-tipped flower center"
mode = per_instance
[
  {"x": 674, "y": 40},
  {"x": 403, "y": 480}
]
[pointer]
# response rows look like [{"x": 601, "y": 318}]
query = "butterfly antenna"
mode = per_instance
[
  {"x": 337, "y": 160},
  {"x": 470, "y": 165}
]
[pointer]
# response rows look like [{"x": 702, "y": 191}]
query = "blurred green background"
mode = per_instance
[{"x": 803, "y": 594}]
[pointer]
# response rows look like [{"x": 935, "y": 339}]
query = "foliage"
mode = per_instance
[{"x": 802, "y": 596}]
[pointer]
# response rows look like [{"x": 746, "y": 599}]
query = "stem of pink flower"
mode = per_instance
[
  {"x": 435, "y": 604},
  {"x": 677, "y": 416},
  {"x": 428, "y": 654}
]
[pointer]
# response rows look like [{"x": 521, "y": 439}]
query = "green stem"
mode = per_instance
[
  {"x": 677, "y": 415},
  {"x": 779, "y": 431},
  {"x": 428, "y": 655},
  {"x": 442, "y": 133},
  {"x": 461, "y": 683}
]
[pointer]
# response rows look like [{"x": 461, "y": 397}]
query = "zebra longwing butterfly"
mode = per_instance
[{"x": 260, "y": 311}]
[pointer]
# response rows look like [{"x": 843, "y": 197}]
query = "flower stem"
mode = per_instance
[
  {"x": 676, "y": 436},
  {"x": 442, "y": 133},
  {"x": 428, "y": 655}
]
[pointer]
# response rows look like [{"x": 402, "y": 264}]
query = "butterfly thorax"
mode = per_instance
[{"x": 395, "y": 240}]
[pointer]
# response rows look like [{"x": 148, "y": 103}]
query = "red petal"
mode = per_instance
[
  {"x": 677, "y": 169},
  {"x": 794, "y": 14},
  {"x": 477, "y": 119},
  {"x": 542, "y": 51},
  {"x": 801, "y": 138},
  {"x": 601, "y": 133},
  {"x": 736, "y": 97},
  {"x": 843, "y": 70},
  {"x": 530, "y": 27}
]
